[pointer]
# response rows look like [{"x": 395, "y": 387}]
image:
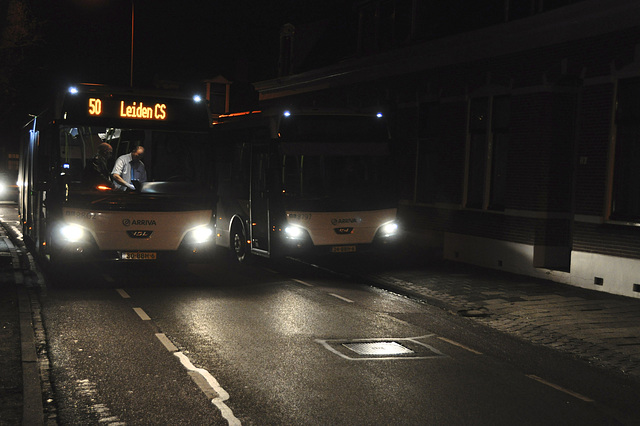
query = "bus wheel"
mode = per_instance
[{"x": 240, "y": 251}]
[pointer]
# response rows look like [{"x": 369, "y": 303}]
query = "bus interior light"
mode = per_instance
[
  {"x": 379, "y": 115},
  {"x": 197, "y": 98},
  {"x": 287, "y": 113},
  {"x": 73, "y": 90}
]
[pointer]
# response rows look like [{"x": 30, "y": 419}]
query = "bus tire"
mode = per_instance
[{"x": 240, "y": 251}]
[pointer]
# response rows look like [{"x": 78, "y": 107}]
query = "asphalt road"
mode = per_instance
[
  {"x": 287, "y": 343},
  {"x": 284, "y": 344}
]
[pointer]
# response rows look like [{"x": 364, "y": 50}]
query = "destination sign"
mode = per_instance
[
  {"x": 114, "y": 109},
  {"x": 131, "y": 109}
]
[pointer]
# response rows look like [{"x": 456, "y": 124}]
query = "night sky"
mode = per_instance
[
  {"x": 176, "y": 41},
  {"x": 173, "y": 39}
]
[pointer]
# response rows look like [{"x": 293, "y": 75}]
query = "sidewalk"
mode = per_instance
[
  {"x": 600, "y": 328},
  {"x": 20, "y": 377},
  {"x": 10, "y": 352}
]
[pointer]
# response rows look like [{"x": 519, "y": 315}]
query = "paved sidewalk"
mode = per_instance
[
  {"x": 601, "y": 328},
  {"x": 10, "y": 351},
  {"x": 21, "y": 397}
]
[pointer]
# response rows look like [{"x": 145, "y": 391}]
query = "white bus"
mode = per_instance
[
  {"x": 306, "y": 181},
  {"x": 169, "y": 217}
]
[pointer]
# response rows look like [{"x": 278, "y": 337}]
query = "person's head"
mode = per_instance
[
  {"x": 137, "y": 153},
  {"x": 105, "y": 150}
]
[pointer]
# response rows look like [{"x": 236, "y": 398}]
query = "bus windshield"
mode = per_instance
[
  {"x": 362, "y": 178},
  {"x": 170, "y": 156},
  {"x": 335, "y": 160}
]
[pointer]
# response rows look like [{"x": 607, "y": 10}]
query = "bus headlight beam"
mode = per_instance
[
  {"x": 72, "y": 233},
  {"x": 294, "y": 232},
  {"x": 388, "y": 230},
  {"x": 200, "y": 235}
]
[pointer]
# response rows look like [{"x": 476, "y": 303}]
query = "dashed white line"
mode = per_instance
[
  {"x": 142, "y": 314},
  {"x": 210, "y": 385},
  {"x": 123, "y": 293},
  {"x": 204, "y": 380},
  {"x": 460, "y": 345},
  {"x": 341, "y": 298},
  {"x": 560, "y": 388},
  {"x": 166, "y": 342},
  {"x": 302, "y": 282},
  {"x": 392, "y": 318}
]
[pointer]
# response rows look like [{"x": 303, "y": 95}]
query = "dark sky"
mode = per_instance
[
  {"x": 174, "y": 40},
  {"x": 181, "y": 41}
]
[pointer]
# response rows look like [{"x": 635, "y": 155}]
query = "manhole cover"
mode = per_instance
[
  {"x": 382, "y": 349},
  {"x": 378, "y": 348}
]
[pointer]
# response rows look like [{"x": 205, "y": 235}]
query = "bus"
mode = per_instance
[
  {"x": 168, "y": 217},
  {"x": 295, "y": 182}
]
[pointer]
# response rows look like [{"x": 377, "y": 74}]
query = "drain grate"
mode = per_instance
[
  {"x": 378, "y": 348},
  {"x": 382, "y": 349}
]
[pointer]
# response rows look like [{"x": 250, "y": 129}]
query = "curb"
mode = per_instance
[
  {"x": 33, "y": 409},
  {"x": 32, "y": 404}
]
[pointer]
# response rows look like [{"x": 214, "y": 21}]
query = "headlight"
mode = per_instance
[
  {"x": 388, "y": 229},
  {"x": 72, "y": 233},
  {"x": 294, "y": 232},
  {"x": 200, "y": 235}
]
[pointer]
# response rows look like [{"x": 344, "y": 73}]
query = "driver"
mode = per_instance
[{"x": 128, "y": 169}]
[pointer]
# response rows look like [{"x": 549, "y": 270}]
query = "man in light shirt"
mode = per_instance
[{"x": 129, "y": 168}]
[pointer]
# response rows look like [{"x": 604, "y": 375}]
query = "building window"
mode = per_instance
[
  {"x": 487, "y": 152},
  {"x": 625, "y": 196}
]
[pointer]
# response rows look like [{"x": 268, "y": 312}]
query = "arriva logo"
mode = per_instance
[
  {"x": 347, "y": 220},
  {"x": 144, "y": 222}
]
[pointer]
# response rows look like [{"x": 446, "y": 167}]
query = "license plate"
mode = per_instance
[
  {"x": 138, "y": 255},
  {"x": 343, "y": 249}
]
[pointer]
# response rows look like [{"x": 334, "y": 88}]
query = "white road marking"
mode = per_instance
[
  {"x": 392, "y": 318},
  {"x": 341, "y": 298},
  {"x": 560, "y": 388},
  {"x": 210, "y": 385},
  {"x": 202, "y": 383},
  {"x": 87, "y": 390},
  {"x": 460, "y": 345},
  {"x": 123, "y": 293},
  {"x": 436, "y": 353},
  {"x": 142, "y": 314},
  {"x": 303, "y": 283},
  {"x": 166, "y": 342}
]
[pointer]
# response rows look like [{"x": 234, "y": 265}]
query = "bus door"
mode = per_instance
[
  {"x": 259, "y": 201},
  {"x": 28, "y": 196}
]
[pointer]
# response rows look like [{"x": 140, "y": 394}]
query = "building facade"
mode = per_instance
[{"x": 518, "y": 142}]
